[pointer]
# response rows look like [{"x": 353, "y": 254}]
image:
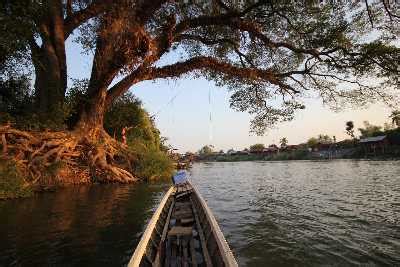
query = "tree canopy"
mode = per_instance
[
  {"x": 395, "y": 116},
  {"x": 320, "y": 139},
  {"x": 283, "y": 142},
  {"x": 257, "y": 147},
  {"x": 270, "y": 54},
  {"x": 350, "y": 129},
  {"x": 370, "y": 130},
  {"x": 206, "y": 150}
]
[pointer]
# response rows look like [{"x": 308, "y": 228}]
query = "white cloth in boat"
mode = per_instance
[{"x": 180, "y": 177}]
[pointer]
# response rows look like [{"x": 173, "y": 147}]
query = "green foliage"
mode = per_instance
[
  {"x": 283, "y": 142},
  {"x": 257, "y": 147},
  {"x": 17, "y": 103},
  {"x": 127, "y": 112},
  {"x": 320, "y": 139},
  {"x": 347, "y": 143},
  {"x": 268, "y": 53},
  {"x": 370, "y": 130},
  {"x": 395, "y": 117},
  {"x": 393, "y": 136},
  {"x": 151, "y": 164},
  {"x": 143, "y": 138},
  {"x": 325, "y": 139},
  {"x": 17, "y": 28},
  {"x": 312, "y": 142},
  {"x": 17, "y": 106},
  {"x": 350, "y": 128},
  {"x": 206, "y": 150},
  {"x": 75, "y": 98},
  {"x": 12, "y": 184},
  {"x": 293, "y": 155},
  {"x": 232, "y": 158}
]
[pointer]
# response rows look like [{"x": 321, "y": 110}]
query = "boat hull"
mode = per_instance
[{"x": 183, "y": 232}]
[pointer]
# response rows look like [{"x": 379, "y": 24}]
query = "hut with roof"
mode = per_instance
[{"x": 374, "y": 145}]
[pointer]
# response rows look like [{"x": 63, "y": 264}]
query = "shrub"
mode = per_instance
[
  {"x": 12, "y": 184},
  {"x": 154, "y": 165}
]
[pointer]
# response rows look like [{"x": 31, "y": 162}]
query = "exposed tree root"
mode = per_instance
[{"x": 88, "y": 157}]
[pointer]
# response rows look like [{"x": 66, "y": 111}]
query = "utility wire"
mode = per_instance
[
  {"x": 210, "y": 116},
  {"x": 167, "y": 104}
]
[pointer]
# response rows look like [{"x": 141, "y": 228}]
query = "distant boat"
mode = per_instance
[{"x": 182, "y": 232}]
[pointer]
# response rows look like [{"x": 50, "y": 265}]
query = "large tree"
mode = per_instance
[{"x": 269, "y": 53}]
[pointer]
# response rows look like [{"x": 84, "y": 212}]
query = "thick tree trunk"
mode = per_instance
[
  {"x": 91, "y": 117},
  {"x": 50, "y": 83},
  {"x": 50, "y": 63}
]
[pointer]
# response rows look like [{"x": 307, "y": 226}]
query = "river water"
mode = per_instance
[{"x": 292, "y": 213}]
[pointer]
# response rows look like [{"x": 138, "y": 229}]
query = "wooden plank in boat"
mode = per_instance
[
  {"x": 183, "y": 204},
  {"x": 182, "y": 194},
  {"x": 179, "y": 230},
  {"x": 182, "y": 214},
  {"x": 187, "y": 220}
]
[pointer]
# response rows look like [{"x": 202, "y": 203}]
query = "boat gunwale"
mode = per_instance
[
  {"x": 226, "y": 253},
  {"x": 144, "y": 241}
]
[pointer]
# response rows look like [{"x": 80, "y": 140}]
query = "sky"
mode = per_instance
[{"x": 183, "y": 109}]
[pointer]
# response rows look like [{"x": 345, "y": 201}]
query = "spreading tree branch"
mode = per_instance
[
  {"x": 76, "y": 19},
  {"x": 196, "y": 63},
  {"x": 386, "y": 6},
  {"x": 231, "y": 20}
]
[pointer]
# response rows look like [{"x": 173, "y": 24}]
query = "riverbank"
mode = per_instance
[
  {"x": 39, "y": 152},
  {"x": 392, "y": 153},
  {"x": 36, "y": 161}
]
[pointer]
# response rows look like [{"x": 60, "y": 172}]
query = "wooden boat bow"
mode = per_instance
[{"x": 183, "y": 232}]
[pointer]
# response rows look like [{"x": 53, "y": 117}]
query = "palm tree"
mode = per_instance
[
  {"x": 283, "y": 142},
  {"x": 350, "y": 129},
  {"x": 395, "y": 116}
]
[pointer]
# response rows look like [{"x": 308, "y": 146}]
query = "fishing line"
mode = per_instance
[
  {"x": 210, "y": 117},
  {"x": 167, "y": 104}
]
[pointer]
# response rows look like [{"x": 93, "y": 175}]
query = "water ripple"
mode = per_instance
[{"x": 306, "y": 213}]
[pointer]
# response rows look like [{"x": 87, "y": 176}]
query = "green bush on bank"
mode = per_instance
[
  {"x": 143, "y": 138},
  {"x": 151, "y": 163},
  {"x": 154, "y": 165},
  {"x": 12, "y": 184}
]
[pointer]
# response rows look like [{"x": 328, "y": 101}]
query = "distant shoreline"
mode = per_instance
[{"x": 300, "y": 155}]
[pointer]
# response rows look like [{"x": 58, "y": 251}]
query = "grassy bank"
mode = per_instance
[{"x": 12, "y": 183}]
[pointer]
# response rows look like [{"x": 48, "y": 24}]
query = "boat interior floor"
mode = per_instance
[{"x": 183, "y": 244}]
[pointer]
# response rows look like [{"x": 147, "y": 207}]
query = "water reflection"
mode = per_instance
[{"x": 76, "y": 226}]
